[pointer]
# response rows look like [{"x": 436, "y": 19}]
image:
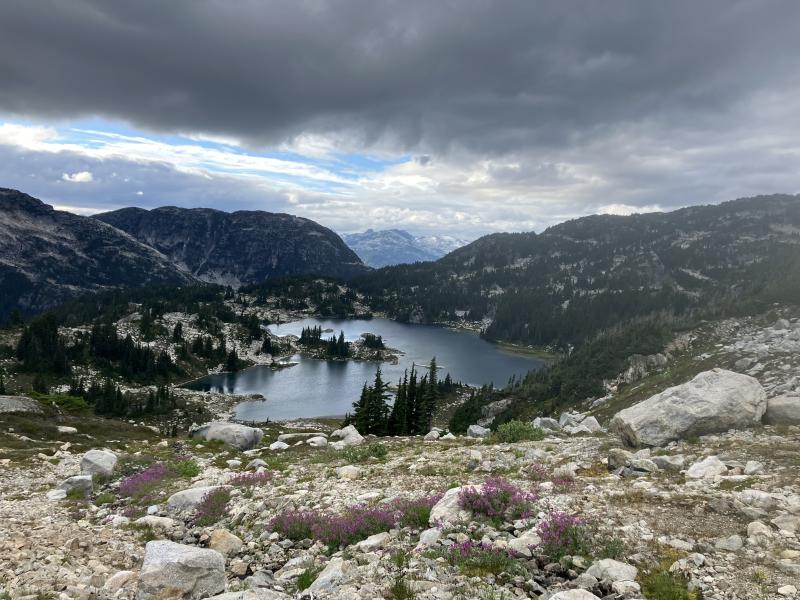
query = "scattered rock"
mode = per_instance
[
  {"x": 224, "y": 542},
  {"x": 317, "y": 441},
  {"x": 77, "y": 482},
  {"x": 432, "y": 436},
  {"x": 278, "y": 446},
  {"x": 708, "y": 468},
  {"x": 348, "y": 472},
  {"x": 330, "y": 575},
  {"x": 66, "y": 429}
]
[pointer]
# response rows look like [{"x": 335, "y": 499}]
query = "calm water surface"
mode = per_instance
[{"x": 315, "y": 388}]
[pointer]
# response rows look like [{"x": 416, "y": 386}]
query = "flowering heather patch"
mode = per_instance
[
  {"x": 145, "y": 482},
  {"x": 498, "y": 499},
  {"x": 212, "y": 508},
  {"x": 295, "y": 524},
  {"x": 562, "y": 534},
  {"x": 251, "y": 479},
  {"x": 415, "y": 512},
  {"x": 537, "y": 472},
  {"x": 356, "y": 523},
  {"x": 564, "y": 483},
  {"x": 478, "y": 558}
]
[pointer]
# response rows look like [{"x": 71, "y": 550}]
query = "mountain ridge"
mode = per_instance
[{"x": 238, "y": 247}]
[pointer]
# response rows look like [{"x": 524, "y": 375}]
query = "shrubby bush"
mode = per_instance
[
  {"x": 518, "y": 431},
  {"x": 498, "y": 499}
]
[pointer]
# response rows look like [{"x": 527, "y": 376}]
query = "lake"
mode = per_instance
[{"x": 316, "y": 388}]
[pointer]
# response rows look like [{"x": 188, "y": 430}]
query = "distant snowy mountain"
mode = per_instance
[{"x": 395, "y": 246}]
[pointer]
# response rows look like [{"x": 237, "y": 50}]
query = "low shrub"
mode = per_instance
[
  {"x": 518, "y": 431},
  {"x": 498, "y": 499},
  {"x": 250, "y": 479},
  {"x": 537, "y": 472},
  {"x": 564, "y": 483},
  {"x": 360, "y": 454},
  {"x": 104, "y": 498},
  {"x": 415, "y": 512},
  {"x": 212, "y": 508},
  {"x": 481, "y": 559},
  {"x": 563, "y": 534},
  {"x": 356, "y": 524},
  {"x": 145, "y": 482},
  {"x": 184, "y": 467},
  {"x": 295, "y": 525},
  {"x": 663, "y": 585}
]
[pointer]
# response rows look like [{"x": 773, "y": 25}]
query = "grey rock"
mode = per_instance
[
  {"x": 77, "y": 482},
  {"x": 183, "y": 571},
  {"x": 546, "y": 423},
  {"x": 278, "y": 446},
  {"x": 187, "y": 500},
  {"x": 714, "y": 401},
  {"x": 707, "y": 468},
  {"x": 334, "y": 571},
  {"x": 669, "y": 462},
  {"x": 476, "y": 431},
  {"x": 19, "y": 404},
  {"x": 233, "y": 434},
  {"x": 447, "y": 509},
  {"x": 98, "y": 462},
  {"x": 730, "y": 544},
  {"x": 783, "y": 410},
  {"x": 612, "y": 570}
]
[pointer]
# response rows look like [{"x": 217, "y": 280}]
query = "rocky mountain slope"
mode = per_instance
[
  {"x": 49, "y": 256},
  {"x": 239, "y": 247},
  {"x": 395, "y": 246},
  {"x": 584, "y": 275}
]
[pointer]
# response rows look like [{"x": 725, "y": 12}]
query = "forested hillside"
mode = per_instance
[{"x": 577, "y": 278}]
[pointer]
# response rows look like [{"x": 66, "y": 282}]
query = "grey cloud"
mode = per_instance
[{"x": 469, "y": 75}]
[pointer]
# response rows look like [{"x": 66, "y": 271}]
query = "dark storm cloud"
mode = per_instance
[{"x": 458, "y": 76}]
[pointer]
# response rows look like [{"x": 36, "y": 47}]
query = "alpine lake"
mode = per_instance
[{"x": 317, "y": 388}]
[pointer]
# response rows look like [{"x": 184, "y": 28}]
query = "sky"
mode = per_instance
[{"x": 458, "y": 117}]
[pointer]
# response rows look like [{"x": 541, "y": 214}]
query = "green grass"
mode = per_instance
[
  {"x": 104, "y": 498},
  {"x": 663, "y": 585},
  {"x": 308, "y": 577},
  {"x": 360, "y": 454}
]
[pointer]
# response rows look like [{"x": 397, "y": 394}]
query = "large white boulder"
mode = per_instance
[
  {"x": 98, "y": 462},
  {"x": 187, "y": 500},
  {"x": 476, "y": 431},
  {"x": 708, "y": 468},
  {"x": 233, "y": 434},
  {"x": 783, "y": 410},
  {"x": 612, "y": 570},
  {"x": 714, "y": 401},
  {"x": 349, "y": 436},
  {"x": 173, "y": 570},
  {"x": 447, "y": 510}
]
